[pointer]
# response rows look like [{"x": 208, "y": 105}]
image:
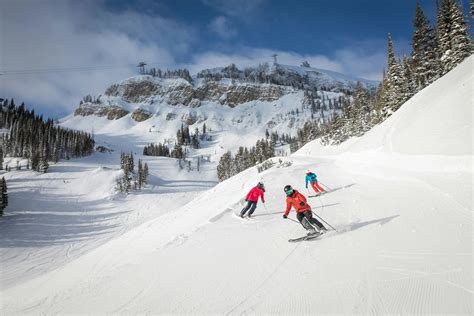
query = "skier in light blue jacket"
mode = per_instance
[{"x": 312, "y": 179}]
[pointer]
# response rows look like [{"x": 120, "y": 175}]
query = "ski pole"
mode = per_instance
[
  {"x": 293, "y": 220},
  {"x": 324, "y": 221}
]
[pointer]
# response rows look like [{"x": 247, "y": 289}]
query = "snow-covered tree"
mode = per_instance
[
  {"x": 146, "y": 173},
  {"x": 425, "y": 62},
  {"x": 43, "y": 164},
  {"x": 410, "y": 86},
  {"x": 394, "y": 94},
  {"x": 3, "y": 195},
  {"x": 452, "y": 34},
  {"x": 140, "y": 175},
  {"x": 305, "y": 64},
  {"x": 225, "y": 166}
]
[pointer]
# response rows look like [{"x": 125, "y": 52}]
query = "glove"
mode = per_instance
[
  {"x": 263, "y": 201},
  {"x": 246, "y": 200},
  {"x": 285, "y": 216},
  {"x": 306, "y": 187}
]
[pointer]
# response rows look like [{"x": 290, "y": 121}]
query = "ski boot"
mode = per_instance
[{"x": 322, "y": 230}]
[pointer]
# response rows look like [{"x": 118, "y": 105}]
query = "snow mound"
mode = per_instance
[{"x": 436, "y": 121}]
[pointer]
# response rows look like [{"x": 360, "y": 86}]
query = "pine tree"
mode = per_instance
[
  {"x": 409, "y": 84},
  {"x": 442, "y": 37},
  {"x": 140, "y": 174},
  {"x": 452, "y": 34},
  {"x": 43, "y": 164},
  {"x": 224, "y": 167},
  {"x": 360, "y": 106},
  {"x": 35, "y": 159},
  {"x": 1, "y": 159},
  {"x": 460, "y": 40},
  {"x": 425, "y": 63},
  {"x": 3, "y": 195},
  {"x": 146, "y": 173},
  {"x": 56, "y": 152},
  {"x": 131, "y": 163},
  {"x": 394, "y": 94},
  {"x": 126, "y": 181}
]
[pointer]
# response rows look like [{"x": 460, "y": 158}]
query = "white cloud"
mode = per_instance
[
  {"x": 52, "y": 35},
  {"x": 222, "y": 27},
  {"x": 364, "y": 65}
]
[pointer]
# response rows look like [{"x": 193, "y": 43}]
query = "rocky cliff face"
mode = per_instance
[
  {"x": 112, "y": 112},
  {"x": 149, "y": 90},
  {"x": 235, "y": 94}
]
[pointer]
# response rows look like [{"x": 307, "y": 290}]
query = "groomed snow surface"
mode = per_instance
[{"x": 401, "y": 199}]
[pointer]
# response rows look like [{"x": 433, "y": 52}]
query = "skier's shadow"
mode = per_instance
[
  {"x": 341, "y": 187},
  {"x": 356, "y": 226}
]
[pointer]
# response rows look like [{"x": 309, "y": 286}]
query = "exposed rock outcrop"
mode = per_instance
[
  {"x": 141, "y": 115},
  {"x": 134, "y": 91},
  {"x": 239, "y": 94},
  {"x": 112, "y": 112}
]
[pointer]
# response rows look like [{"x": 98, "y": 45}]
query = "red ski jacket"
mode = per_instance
[
  {"x": 298, "y": 201},
  {"x": 254, "y": 194}
]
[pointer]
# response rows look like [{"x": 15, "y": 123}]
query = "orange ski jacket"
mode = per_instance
[{"x": 298, "y": 201}]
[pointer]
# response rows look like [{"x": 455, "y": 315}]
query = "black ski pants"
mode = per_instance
[
  {"x": 309, "y": 216},
  {"x": 251, "y": 206}
]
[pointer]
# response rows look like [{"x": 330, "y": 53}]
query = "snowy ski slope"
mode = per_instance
[{"x": 401, "y": 198}]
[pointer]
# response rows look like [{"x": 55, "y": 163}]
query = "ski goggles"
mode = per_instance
[{"x": 289, "y": 192}]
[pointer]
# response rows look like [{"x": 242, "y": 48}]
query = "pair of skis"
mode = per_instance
[
  {"x": 307, "y": 237},
  {"x": 318, "y": 194}
]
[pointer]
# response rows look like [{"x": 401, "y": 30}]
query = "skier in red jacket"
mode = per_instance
[
  {"x": 303, "y": 211},
  {"x": 252, "y": 199}
]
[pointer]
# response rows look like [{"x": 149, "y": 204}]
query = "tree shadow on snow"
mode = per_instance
[
  {"x": 173, "y": 186},
  {"x": 63, "y": 220}
]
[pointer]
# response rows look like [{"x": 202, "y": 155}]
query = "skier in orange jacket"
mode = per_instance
[
  {"x": 252, "y": 199},
  {"x": 303, "y": 211}
]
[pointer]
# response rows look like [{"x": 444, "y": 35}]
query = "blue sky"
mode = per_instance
[{"x": 345, "y": 36}]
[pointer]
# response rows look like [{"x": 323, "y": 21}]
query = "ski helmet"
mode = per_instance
[
  {"x": 260, "y": 185},
  {"x": 308, "y": 171},
  {"x": 288, "y": 190}
]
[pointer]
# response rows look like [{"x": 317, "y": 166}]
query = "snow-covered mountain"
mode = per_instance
[
  {"x": 401, "y": 199},
  {"x": 237, "y": 106}
]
